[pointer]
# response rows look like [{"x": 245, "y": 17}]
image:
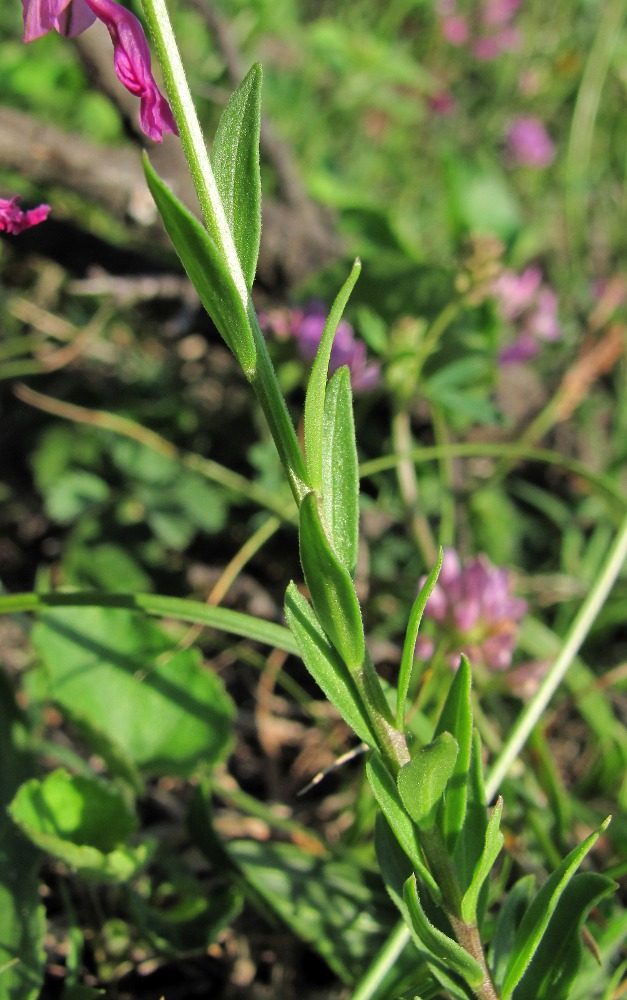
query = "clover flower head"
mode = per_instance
[
  {"x": 528, "y": 143},
  {"x": 474, "y": 611},
  {"x": 525, "y": 303},
  {"x": 14, "y": 220},
  {"x": 489, "y": 30},
  {"x": 131, "y": 55}
]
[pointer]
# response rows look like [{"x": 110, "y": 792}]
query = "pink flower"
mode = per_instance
[
  {"x": 528, "y": 143},
  {"x": 131, "y": 52},
  {"x": 306, "y": 326},
  {"x": 530, "y": 307},
  {"x": 487, "y": 28},
  {"x": 474, "y": 611},
  {"x": 14, "y": 220}
]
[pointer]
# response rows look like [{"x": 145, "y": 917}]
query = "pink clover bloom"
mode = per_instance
[
  {"x": 474, "y": 611},
  {"x": 528, "y": 143}
]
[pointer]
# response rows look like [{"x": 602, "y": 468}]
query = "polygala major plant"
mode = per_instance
[{"x": 437, "y": 841}]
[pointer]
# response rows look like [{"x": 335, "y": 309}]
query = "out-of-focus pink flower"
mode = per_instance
[
  {"x": 131, "y": 53},
  {"x": 455, "y": 29},
  {"x": 530, "y": 307},
  {"x": 14, "y": 220},
  {"x": 488, "y": 30},
  {"x": 491, "y": 46},
  {"x": 528, "y": 144},
  {"x": 443, "y": 103},
  {"x": 475, "y": 613},
  {"x": 306, "y": 327}
]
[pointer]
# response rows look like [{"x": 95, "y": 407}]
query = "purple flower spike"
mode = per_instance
[
  {"x": 528, "y": 143},
  {"x": 475, "y": 613},
  {"x": 13, "y": 220},
  {"x": 131, "y": 52}
]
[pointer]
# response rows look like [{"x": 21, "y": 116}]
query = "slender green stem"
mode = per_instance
[
  {"x": 611, "y": 16},
  {"x": 268, "y": 392},
  {"x": 575, "y": 637},
  {"x": 469, "y": 449},
  {"x": 192, "y": 139},
  {"x": 408, "y": 486},
  {"x": 223, "y": 619}
]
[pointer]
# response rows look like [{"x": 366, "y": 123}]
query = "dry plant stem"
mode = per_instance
[{"x": 408, "y": 485}]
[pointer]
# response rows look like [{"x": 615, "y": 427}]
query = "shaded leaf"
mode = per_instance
[
  {"x": 556, "y": 962},
  {"x": 337, "y": 907},
  {"x": 454, "y": 957},
  {"x": 539, "y": 913},
  {"x": 81, "y": 821},
  {"x": 120, "y": 672}
]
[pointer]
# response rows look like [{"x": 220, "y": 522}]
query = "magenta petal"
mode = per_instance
[
  {"x": 13, "y": 220},
  {"x": 68, "y": 17},
  {"x": 132, "y": 65}
]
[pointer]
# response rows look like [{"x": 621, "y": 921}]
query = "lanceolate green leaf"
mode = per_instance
[
  {"x": 409, "y": 646},
  {"x": 340, "y": 472},
  {"x": 325, "y": 666},
  {"x": 331, "y": 587},
  {"x": 206, "y": 270},
  {"x": 470, "y": 843},
  {"x": 555, "y": 964},
  {"x": 493, "y": 845},
  {"x": 235, "y": 162},
  {"x": 389, "y": 800},
  {"x": 454, "y": 957},
  {"x": 223, "y": 619},
  {"x": 456, "y": 718},
  {"x": 508, "y": 920},
  {"x": 314, "y": 400},
  {"x": 422, "y": 781},
  {"x": 537, "y": 917}
]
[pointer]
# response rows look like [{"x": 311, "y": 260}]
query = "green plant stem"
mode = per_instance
[
  {"x": 264, "y": 380},
  {"x": 578, "y": 631},
  {"x": 265, "y": 383},
  {"x": 611, "y": 16},
  {"x": 408, "y": 486},
  {"x": 223, "y": 619},
  {"x": 192, "y": 140},
  {"x": 492, "y": 450}
]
